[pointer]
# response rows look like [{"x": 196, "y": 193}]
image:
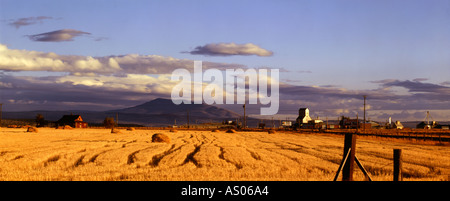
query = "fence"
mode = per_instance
[
  {"x": 349, "y": 158},
  {"x": 412, "y": 134}
]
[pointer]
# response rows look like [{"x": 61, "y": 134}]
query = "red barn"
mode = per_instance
[{"x": 75, "y": 121}]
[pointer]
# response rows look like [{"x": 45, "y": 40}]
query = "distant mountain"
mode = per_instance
[
  {"x": 162, "y": 106},
  {"x": 158, "y": 112}
]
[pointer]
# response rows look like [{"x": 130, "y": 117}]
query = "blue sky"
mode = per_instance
[{"x": 340, "y": 45}]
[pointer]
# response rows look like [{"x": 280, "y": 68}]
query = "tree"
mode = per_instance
[
  {"x": 109, "y": 122},
  {"x": 40, "y": 121}
]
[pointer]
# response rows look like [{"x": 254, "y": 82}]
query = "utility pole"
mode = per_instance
[
  {"x": 273, "y": 123},
  {"x": 1, "y": 104},
  {"x": 245, "y": 121},
  {"x": 357, "y": 122},
  {"x": 364, "y": 123},
  {"x": 188, "y": 118}
]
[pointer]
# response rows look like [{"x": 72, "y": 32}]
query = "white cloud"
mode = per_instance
[
  {"x": 24, "y": 60},
  {"x": 89, "y": 63},
  {"x": 113, "y": 63}
]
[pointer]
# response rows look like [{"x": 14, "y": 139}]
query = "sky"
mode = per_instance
[{"x": 102, "y": 55}]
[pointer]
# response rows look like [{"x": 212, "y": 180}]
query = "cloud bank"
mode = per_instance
[
  {"x": 111, "y": 82},
  {"x": 25, "y": 60},
  {"x": 230, "y": 49}
]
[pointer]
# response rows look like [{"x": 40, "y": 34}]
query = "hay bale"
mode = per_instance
[
  {"x": 32, "y": 129},
  {"x": 173, "y": 130},
  {"x": 271, "y": 131},
  {"x": 215, "y": 131},
  {"x": 67, "y": 127},
  {"x": 231, "y": 131},
  {"x": 159, "y": 137},
  {"x": 131, "y": 129},
  {"x": 115, "y": 130}
]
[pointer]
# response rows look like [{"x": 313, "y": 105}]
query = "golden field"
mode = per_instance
[{"x": 97, "y": 154}]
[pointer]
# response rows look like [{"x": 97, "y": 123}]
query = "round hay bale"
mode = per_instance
[
  {"x": 32, "y": 129},
  {"x": 231, "y": 131},
  {"x": 173, "y": 130},
  {"x": 215, "y": 131},
  {"x": 67, "y": 127},
  {"x": 131, "y": 129},
  {"x": 271, "y": 131},
  {"x": 159, "y": 137},
  {"x": 115, "y": 130}
]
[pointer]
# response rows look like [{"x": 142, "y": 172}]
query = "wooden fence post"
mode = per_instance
[
  {"x": 349, "y": 143},
  {"x": 398, "y": 165}
]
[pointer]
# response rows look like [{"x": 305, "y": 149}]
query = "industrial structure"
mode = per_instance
[
  {"x": 303, "y": 116},
  {"x": 397, "y": 125}
]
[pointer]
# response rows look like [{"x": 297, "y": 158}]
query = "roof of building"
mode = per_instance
[{"x": 70, "y": 118}]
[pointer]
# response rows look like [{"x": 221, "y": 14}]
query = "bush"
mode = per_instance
[{"x": 109, "y": 122}]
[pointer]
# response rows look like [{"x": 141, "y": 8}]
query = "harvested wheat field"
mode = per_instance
[{"x": 98, "y": 154}]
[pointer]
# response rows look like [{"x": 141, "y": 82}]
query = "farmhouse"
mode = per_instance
[{"x": 75, "y": 121}]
